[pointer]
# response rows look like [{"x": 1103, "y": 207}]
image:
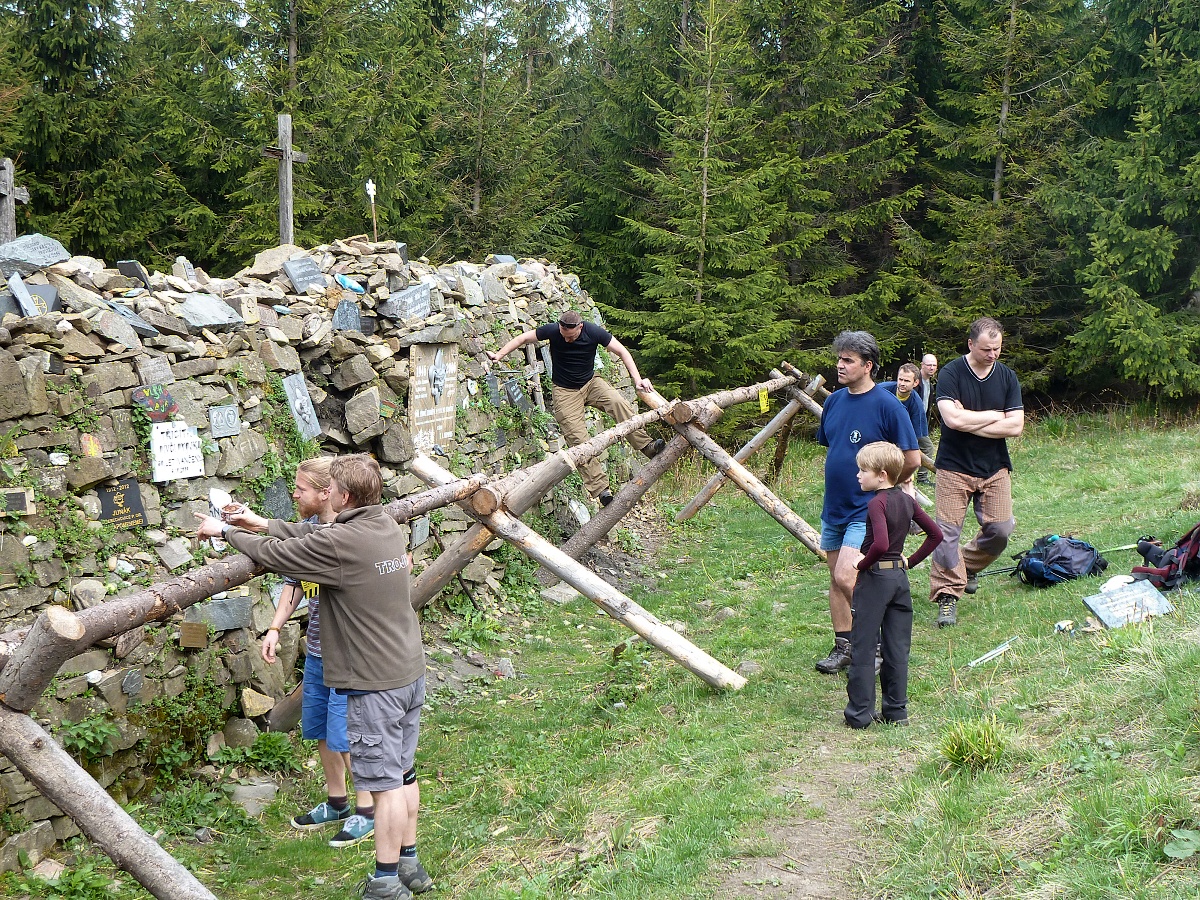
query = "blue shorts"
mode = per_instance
[
  {"x": 324, "y": 711},
  {"x": 835, "y": 537}
]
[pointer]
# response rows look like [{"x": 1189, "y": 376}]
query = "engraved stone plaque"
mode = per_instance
[{"x": 224, "y": 421}]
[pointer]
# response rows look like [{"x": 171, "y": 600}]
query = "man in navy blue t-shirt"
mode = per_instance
[{"x": 859, "y": 415}]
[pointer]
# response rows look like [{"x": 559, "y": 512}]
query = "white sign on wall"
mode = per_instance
[{"x": 175, "y": 448}]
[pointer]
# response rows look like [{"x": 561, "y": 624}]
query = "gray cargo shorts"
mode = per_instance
[{"x": 382, "y": 729}]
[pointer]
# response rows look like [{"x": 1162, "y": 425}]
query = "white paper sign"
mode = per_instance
[{"x": 175, "y": 448}]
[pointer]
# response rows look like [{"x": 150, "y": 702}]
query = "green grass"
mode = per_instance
[{"x": 629, "y": 778}]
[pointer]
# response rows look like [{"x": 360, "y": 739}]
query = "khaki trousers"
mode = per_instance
[
  {"x": 568, "y": 413},
  {"x": 994, "y": 511}
]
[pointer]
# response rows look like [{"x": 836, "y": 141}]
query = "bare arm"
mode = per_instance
[
  {"x": 970, "y": 420},
  {"x": 288, "y": 601},
  {"x": 1011, "y": 425},
  {"x": 526, "y": 337},
  {"x": 912, "y": 462},
  {"x": 640, "y": 383}
]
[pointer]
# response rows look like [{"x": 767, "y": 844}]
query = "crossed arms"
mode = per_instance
[{"x": 989, "y": 423}]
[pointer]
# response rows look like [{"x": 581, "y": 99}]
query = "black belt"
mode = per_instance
[{"x": 890, "y": 564}]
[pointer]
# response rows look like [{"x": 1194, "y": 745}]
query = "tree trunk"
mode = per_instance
[
  {"x": 50, "y": 643},
  {"x": 595, "y": 588},
  {"x": 61, "y": 781}
]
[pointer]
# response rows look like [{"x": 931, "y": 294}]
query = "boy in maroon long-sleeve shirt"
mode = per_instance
[{"x": 882, "y": 602}]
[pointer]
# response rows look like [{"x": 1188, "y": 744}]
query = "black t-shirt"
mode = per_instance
[
  {"x": 573, "y": 362},
  {"x": 961, "y": 451}
]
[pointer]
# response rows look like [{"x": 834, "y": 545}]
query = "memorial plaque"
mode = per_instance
[
  {"x": 411, "y": 303},
  {"x": 545, "y": 351},
  {"x": 136, "y": 322},
  {"x": 388, "y": 408},
  {"x": 516, "y": 394},
  {"x": 431, "y": 396},
  {"x": 19, "y": 501},
  {"x": 48, "y": 294},
  {"x": 302, "y": 273},
  {"x": 347, "y": 317},
  {"x": 224, "y": 421},
  {"x": 154, "y": 370},
  {"x": 131, "y": 268},
  {"x": 277, "y": 501},
  {"x": 301, "y": 406},
  {"x": 183, "y": 269},
  {"x": 493, "y": 385},
  {"x": 175, "y": 449},
  {"x": 157, "y": 401},
  {"x": 193, "y": 635},
  {"x": 89, "y": 445},
  {"x": 501, "y": 438},
  {"x": 419, "y": 532},
  {"x": 25, "y": 301},
  {"x": 121, "y": 504},
  {"x": 1126, "y": 605}
]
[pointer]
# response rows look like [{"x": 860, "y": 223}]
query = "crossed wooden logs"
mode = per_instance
[{"x": 30, "y": 657}]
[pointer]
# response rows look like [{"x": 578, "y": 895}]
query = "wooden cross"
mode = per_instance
[
  {"x": 286, "y": 156},
  {"x": 10, "y": 196}
]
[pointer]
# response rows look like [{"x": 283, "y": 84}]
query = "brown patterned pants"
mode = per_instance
[{"x": 992, "y": 498}]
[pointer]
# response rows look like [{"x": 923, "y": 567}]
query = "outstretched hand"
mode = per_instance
[{"x": 210, "y": 526}]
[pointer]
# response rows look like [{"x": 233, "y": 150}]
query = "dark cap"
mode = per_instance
[{"x": 570, "y": 319}]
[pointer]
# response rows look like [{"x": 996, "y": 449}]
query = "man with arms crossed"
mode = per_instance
[
  {"x": 852, "y": 418},
  {"x": 979, "y": 401},
  {"x": 373, "y": 650}
]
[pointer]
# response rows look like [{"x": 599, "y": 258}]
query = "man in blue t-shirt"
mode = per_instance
[
  {"x": 905, "y": 387},
  {"x": 852, "y": 418}
]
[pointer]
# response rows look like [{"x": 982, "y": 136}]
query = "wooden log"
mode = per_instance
[
  {"x": 61, "y": 781},
  {"x": 286, "y": 713},
  {"x": 50, "y": 643},
  {"x": 520, "y": 494},
  {"x": 538, "y": 397},
  {"x": 752, "y": 446},
  {"x": 755, "y": 489},
  {"x": 599, "y": 591},
  {"x": 408, "y": 508},
  {"x": 604, "y": 521}
]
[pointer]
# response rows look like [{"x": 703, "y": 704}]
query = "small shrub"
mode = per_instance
[
  {"x": 975, "y": 745},
  {"x": 84, "y": 882},
  {"x": 272, "y": 751},
  {"x": 88, "y": 738}
]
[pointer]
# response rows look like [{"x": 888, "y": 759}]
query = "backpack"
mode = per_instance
[
  {"x": 1053, "y": 559},
  {"x": 1168, "y": 568}
]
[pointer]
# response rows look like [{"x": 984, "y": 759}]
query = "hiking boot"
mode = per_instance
[
  {"x": 923, "y": 477},
  {"x": 357, "y": 828},
  {"x": 972, "y": 582},
  {"x": 414, "y": 876},
  {"x": 655, "y": 447},
  {"x": 878, "y": 719},
  {"x": 389, "y": 887},
  {"x": 838, "y": 658},
  {"x": 605, "y": 497},
  {"x": 947, "y": 610},
  {"x": 321, "y": 815}
]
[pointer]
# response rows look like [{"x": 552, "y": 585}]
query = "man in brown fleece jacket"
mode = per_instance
[{"x": 373, "y": 650}]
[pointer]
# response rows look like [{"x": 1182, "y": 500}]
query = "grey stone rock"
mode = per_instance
[
  {"x": 175, "y": 553},
  {"x": 353, "y": 372},
  {"x": 166, "y": 323},
  {"x": 207, "y": 311},
  {"x": 395, "y": 445},
  {"x": 111, "y": 326},
  {"x": 223, "y": 615},
  {"x": 89, "y": 471},
  {"x": 269, "y": 263},
  {"x": 362, "y": 410},
  {"x": 101, "y": 378},
  {"x": 239, "y": 452},
  {"x": 240, "y": 733},
  {"x": 14, "y": 401},
  {"x": 29, "y": 253},
  {"x": 279, "y": 357},
  {"x": 433, "y": 334},
  {"x": 255, "y": 795},
  {"x": 34, "y": 842},
  {"x": 35, "y": 385},
  {"x": 86, "y": 662}
]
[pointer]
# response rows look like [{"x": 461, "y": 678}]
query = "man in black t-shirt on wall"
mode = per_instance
[
  {"x": 573, "y": 344},
  {"x": 979, "y": 401}
]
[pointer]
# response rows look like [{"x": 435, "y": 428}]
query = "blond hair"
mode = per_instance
[
  {"x": 316, "y": 470},
  {"x": 359, "y": 476},
  {"x": 882, "y": 456}
]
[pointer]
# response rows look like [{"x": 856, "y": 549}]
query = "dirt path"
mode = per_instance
[{"x": 818, "y": 846}]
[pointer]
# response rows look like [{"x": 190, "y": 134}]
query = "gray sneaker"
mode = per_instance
[
  {"x": 947, "y": 610},
  {"x": 414, "y": 876},
  {"x": 387, "y": 888},
  {"x": 972, "y": 582}
]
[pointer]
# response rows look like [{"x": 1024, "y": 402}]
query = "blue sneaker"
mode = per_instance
[
  {"x": 321, "y": 815},
  {"x": 357, "y": 828}
]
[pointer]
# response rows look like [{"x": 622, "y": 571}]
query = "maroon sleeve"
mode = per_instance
[
  {"x": 933, "y": 536},
  {"x": 877, "y": 513}
]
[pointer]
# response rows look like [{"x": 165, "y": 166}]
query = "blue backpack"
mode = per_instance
[{"x": 1053, "y": 559}]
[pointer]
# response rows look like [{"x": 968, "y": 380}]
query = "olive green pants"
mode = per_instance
[{"x": 568, "y": 413}]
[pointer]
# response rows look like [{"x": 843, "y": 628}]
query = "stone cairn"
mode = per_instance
[{"x": 93, "y": 357}]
